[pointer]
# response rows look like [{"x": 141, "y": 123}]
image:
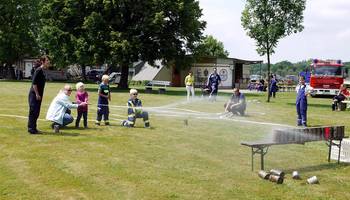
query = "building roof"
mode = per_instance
[
  {"x": 148, "y": 72},
  {"x": 213, "y": 59}
]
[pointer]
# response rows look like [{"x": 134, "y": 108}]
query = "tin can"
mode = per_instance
[
  {"x": 295, "y": 175},
  {"x": 276, "y": 179},
  {"x": 277, "y": 172},
  {"x": 264, "y": 175},
  {"x": 312, "y": 180}
]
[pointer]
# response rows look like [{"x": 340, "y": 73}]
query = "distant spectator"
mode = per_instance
[
  {"x": 189, "y": 82},
  {"x": 214, "y": 81},
  {"x": 342, "y": 95},
  {"x": 273, "y": 86}
]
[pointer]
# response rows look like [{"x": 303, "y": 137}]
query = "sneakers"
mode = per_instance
[
  {"x": 107, "y": 123},
  {"x": 123, "y": 123},
  {"x": 97, "y": 123}
]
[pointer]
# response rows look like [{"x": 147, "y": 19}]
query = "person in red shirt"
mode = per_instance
[{"x": 343, "y": 93}]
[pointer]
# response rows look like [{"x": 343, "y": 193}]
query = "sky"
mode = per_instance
[{"x": 326, "y": 33}]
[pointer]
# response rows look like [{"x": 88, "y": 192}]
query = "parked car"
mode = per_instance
[
  {"x": 95, "y": 75},
  {"x": 114, "y": 77},
  {"x": 291, "y": 79},
  {"x": 255, "y": 78}
]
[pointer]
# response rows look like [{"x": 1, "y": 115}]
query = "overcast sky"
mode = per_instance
[{"x": 326, "y": 33}]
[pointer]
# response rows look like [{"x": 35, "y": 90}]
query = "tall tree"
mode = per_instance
[
  {"x": 18, "y": 32},
  {"x": 209, "y": 46},
  {"x": 71, "y": 35},
  {"x": 121, "y": 32},
  {"x": 267, "y": 21},
  {"x": 150, "y": 30}
]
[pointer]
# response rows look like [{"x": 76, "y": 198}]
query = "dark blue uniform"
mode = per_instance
[
  {"x": 273, "y": 87},
  {"x": 301, "y": 105},
  {"x": 39, "y": 80},
  {"x": 213, "y": 83},
  {"x": 135, "y": 111},
  {"x": 102, "y": 104}
]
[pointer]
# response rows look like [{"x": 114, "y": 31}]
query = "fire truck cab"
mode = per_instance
[{"x": 326, "y": 76}]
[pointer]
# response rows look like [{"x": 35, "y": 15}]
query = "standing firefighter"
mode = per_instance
[
  {"x": 213, "y": 83},
  {"x": 303, "y": 91},
  {"x": 135, "y": 111}
]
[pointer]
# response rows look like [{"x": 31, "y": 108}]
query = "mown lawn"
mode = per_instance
[{"x": 203, "y": 160}]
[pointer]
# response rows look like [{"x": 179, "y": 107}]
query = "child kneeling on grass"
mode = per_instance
[{"x": 135, "y": 111}]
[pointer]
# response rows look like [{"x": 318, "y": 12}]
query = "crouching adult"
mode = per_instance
[
  {"x": 59, "y": 110},
  {"x": 135, "y": 111},
  {"x": 237, "y": 103}
]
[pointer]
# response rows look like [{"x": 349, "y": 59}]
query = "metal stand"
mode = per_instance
[
  {"x": 262, "y": 150},
  {"x": 331, "y": 143}
]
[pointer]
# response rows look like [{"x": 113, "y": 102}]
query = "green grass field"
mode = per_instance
[{"x": 203, "y": 160}]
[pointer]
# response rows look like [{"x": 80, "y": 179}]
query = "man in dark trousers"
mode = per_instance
[
  {"x": 36, "y": 93},
  {"x": 213, "y": 83},
  {"x": 302, "y": 91}
]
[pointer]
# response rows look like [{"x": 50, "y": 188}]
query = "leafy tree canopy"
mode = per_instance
[
  {"x": 120, "y": 32},
  {"x": 209, "y": 46},
  {"x": 267, "y": 21},
  {"x": 18, "y": 30}
]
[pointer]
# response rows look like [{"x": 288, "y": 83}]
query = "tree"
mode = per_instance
[
  {"x": 209, "y": 46},
  {"x": 150, "y": 30},
  {"x": 71, "y": 34},
  {"x": 121, "y": 32},
  {"x": 267, "y": 21},
  {"x": 18, "y": 32}
]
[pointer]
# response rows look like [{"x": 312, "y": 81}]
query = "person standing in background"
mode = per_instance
[
  {"x": 273, "y": 86},
  {"x": 36, "y": 93},
  {"x": 214, "y": 81},
  {"x": 189, "y": 82}
]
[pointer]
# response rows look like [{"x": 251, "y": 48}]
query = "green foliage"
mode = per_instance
[
  {"x": 18, "y": 30},
  {"x": 120, "y": 32},
  {"x": 267, "y": 21},
  {"x": 209, "y": 46}
]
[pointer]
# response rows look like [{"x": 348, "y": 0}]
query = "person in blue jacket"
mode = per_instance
[
  {"x": 213, "y": 83},
  {"x": 273, "y": 87},
  {"x": 135, "y": 111},
  {"x": 303, "y": 91}
]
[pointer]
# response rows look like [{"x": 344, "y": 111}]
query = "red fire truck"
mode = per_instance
[{"x": 326, "y": 76}]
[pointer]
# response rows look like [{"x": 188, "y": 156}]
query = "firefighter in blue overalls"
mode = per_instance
[
  {"x": 273, "y": 87},
  {"x": 135, "y": 111},
  {"x": 303, "y": 91},
  {"x": 213, "y": 83}
]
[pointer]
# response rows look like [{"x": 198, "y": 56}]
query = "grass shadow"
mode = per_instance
[
  {"x": 320, "y": 167},
  {"x": 314, "y": 105},
  {"x": 62, "y": 133}
]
